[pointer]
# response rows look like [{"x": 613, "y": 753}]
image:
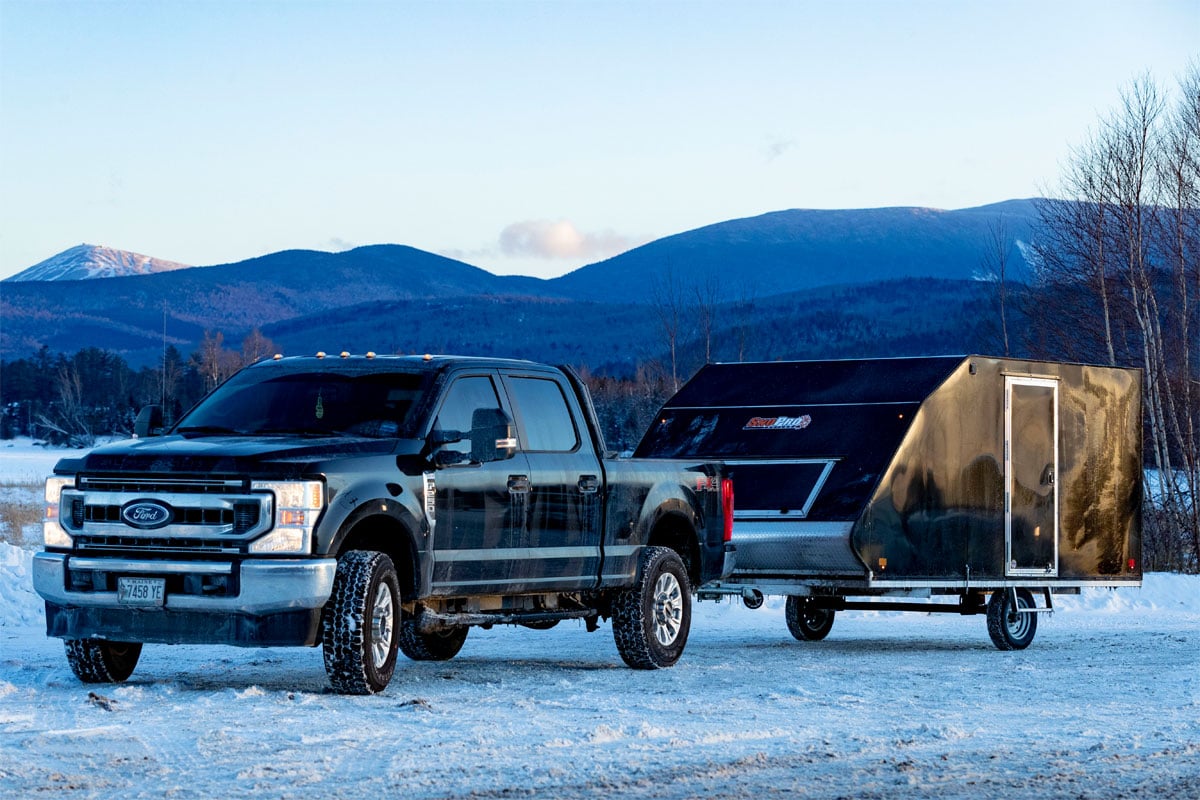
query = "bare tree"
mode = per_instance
[
  {"x": 214, "y": 361},
  {"x": 68, "y": 415},
  {"x": 256, "y": 346},
  {"x": 670, "y": 305},
  {"x": 1128, "y": 229},
  {"x": 707, "y": 294},
  {"x": 1177, "y": 235},
  {"x": 743, "y": 311},
  {"x": 995, "y": 267}
]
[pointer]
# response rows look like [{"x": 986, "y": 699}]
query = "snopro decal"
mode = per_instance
[{"x": 778, "y": 423}]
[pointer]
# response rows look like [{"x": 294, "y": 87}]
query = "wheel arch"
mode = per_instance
[
  {"x": 388, "y": 535},
  {"x": 673, "y": 529}
]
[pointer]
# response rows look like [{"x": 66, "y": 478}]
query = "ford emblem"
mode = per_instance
[{"x": 146, "y": 514}]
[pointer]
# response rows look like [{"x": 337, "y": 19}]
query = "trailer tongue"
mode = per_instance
[{"x": 879, "y": 483}]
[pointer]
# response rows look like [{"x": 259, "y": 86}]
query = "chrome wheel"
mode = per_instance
[
  {"x": 668, "y": 608},
  {"x": 651, "y": 619},
  {"x": 1018, "y": 624},
  {"x": 383, "y": 623}
]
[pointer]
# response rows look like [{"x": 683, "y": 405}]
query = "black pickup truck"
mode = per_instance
[{"x": 369, "y": 504}]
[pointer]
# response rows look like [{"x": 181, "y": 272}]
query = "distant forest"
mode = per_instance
[{"x": 632, "y": 364}]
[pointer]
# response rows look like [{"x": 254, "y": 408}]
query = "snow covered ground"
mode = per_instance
[{"x": 1105, "y": 703}]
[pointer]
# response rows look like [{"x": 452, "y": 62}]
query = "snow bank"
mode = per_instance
[{"x": 19, "y": 604}]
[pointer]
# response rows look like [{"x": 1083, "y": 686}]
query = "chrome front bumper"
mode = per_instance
[{"x": 268, "y": 586}]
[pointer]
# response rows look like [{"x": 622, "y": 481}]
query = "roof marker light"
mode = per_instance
[
  {"x": 344, "y": 354},
  {"x": 370, "y": 354},
  {"x": 428, "y": 357},
  {"x": 320, "y": 354},
  {"x": 278, "y": 356}
]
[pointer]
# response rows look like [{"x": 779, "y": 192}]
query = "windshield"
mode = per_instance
[{"x": 259, "y": 401}]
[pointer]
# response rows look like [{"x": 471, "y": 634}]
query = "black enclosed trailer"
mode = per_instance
[{"x": 862, "y": 482}]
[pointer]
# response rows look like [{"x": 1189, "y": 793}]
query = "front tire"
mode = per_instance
[
  {"x": 441, "y": 645},
  {"x": 101, "y": 661},
  {"x": 806, "y": 621},
  {"x": 651, "y": 620},
  {"x": 359, "y": 626},
  {"x": 1009, "y": 629}
]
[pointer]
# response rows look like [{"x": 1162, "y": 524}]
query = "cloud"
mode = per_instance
[
  {"x": 540, "y": 238},
  {"x": 338, "y": 245},
  {"x": 778, "y": 147}
]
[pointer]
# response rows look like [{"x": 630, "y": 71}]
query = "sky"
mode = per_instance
[{"x": 535, "y": 137}]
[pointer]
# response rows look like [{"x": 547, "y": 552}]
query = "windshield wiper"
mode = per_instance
[
  {"x": 216, "y": 429},
  {"x": 300, "y": 432}
]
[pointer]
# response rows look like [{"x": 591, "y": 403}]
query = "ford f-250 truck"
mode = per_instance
[{"x": 369, "y": 504}]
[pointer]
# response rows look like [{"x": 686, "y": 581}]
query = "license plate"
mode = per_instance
[{"x": 141, "y": 591}]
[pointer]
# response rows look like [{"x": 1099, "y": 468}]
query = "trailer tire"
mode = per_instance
[
  {"x": 359, "y": 626},
  {"x": 1010, "y": 630},
  {"x": 440, "y": 645},
  {"x": 651, "y": 620},
  {"x": 102, "y": 661},
  {"x": 806, "y": 621}
]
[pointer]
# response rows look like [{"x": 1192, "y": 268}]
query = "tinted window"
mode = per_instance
[
  {"x": 265, "y": 401},
  {"x": 544, "y": 410},
  {"x": 463, "y": 398}
]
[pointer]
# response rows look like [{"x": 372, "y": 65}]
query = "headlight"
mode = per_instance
[
  {"x": 53, "y": 533},
  {"x": 297, "y": 506}
]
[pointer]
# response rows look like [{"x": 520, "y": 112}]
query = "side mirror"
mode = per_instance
[
  {"x": 492, "y": 435},
  {"x": 448, "y": 458},
  {"x": 438, "y": 437},
  {"x": 149, "y": 422}
]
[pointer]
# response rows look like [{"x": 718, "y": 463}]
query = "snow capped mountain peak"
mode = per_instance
[{"x": 92, "y": 261}]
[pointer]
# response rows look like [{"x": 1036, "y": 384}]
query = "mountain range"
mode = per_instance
[{"x": 398, "y": 298}]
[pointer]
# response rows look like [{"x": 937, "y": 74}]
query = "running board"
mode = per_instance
[{"x": 431, "y": 621}]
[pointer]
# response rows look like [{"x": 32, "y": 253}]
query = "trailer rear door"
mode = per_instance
[{"x": 1031, "y": 475}]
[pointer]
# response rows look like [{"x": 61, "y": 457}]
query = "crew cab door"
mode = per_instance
[
  {"x": 481, "y": 502},
  {"x": 563, "y": 532}
]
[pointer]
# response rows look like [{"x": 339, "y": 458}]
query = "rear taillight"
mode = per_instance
[{"x": 727, "y": 505}]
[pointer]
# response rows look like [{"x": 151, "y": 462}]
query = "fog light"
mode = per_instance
[{"x": 281, "y": 540}]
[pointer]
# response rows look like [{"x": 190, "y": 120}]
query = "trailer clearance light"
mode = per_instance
[{"x": 727, "y": 505}]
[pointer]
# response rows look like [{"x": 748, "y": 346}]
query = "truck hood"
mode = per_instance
[{"x": 275, "y": 456}]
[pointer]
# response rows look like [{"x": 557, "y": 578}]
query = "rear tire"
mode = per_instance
[
  {"x": 359, "y": 626},
  {"x": 651, "y": 620},
  {"x": 1011, "y": 630},
  {"x": 101, "y": 661},
  {"x": 806, "y": 621},
  {"x": 441, "y": 645}
]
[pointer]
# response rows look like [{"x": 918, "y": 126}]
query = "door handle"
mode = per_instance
[
  {"x": 519, "y": 484},
  {"x": 1048, "y": 476},
  {"x": 589, "y": 484}
]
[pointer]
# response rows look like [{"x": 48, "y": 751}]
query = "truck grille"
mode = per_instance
[
  {"x": 205, "y": 514},
  {"x": 164, "y": 544},
  {"x": 157, "y": 485}
]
